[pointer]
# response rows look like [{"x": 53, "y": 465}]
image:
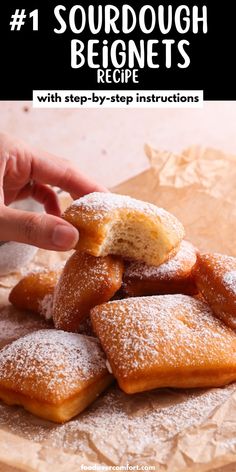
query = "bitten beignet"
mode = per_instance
[
  {"x": 173, "y": 276},
  {"x": 86, "y": 281},
  {"x": 53, "y": 374},
  {"x": 165, "y": 341},
  {"x": 216, "y": 279},
  {"x": 34, "y": 292},
  {"x": 124, "y": 226}
]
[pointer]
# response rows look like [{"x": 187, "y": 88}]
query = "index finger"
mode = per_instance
[{"x": 49, "y": 169}]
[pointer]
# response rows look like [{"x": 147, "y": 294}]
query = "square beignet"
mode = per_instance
[
  {"x": 53, "y": 374},
  {"x": 165, "y": 341},
  {"x": 123, "y": 226},
  {"x": 173, "y": 276},
  {"x": 216, "y": 279}
]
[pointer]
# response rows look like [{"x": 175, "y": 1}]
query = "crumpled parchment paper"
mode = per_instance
[{"x": 171, "y": 430}]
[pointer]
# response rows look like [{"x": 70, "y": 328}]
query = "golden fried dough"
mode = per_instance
[
  {"x": 123, "y": 226},
  {"x": 216, "y": 279},
  {"x": 165, "y": 341},
  {"x": 86, "y": 281},
  {"x": 173, "y": 276},
  {"x": 53, "y": 374},
  {"x": 34, "y": 292}
]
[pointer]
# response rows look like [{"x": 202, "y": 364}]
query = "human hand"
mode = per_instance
[{"x": 27, "y": 172}]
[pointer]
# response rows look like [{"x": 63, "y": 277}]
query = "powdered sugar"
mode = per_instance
[
  {"x": 108, "y": 365},
  {"x": 169, "y": 332},
  {"x": 216, "y": 278},
  {"x": 50, "y": 364},
  {"x": 83, "y": 280},
  {"x": 229, "y": 280},
  {"x": 101, "y": 204},
  {"x": 140, "y": 424},
  {"x": 107, "y": 202},
  {"x": 14, "y": 325},
  {"x": 46, "y": 306},
  {"x": 181, "y": 263},
  {"x": 118, "y": 428},
  {"x": 221, "y": 262}
]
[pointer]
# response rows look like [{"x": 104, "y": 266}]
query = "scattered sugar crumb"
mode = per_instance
[
  {"x": 15, "y": 324},
  {"x": 123, "y": 427}
]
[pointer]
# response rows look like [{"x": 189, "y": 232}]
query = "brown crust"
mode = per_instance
[
  {"x": 165, "y": 341},
  {"x": 95, "y": 214},
  {"x": 210, "y": 274},
  {"x": 58, "y": 411},
  {"x": 85, "y": 282},
  {"x": 31, "y": 289},
  {"x": 174, "y": 276},
  {"x": 53, "y": 374},
  {"x": 91, "y": 233}
]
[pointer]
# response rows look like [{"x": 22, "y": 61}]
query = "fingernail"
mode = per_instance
[{"x": 64, "y": 237}]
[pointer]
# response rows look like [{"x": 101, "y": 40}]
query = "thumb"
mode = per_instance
[{"x": 38, "y": 229}]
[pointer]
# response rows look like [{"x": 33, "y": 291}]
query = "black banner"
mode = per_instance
[{"x": 100, "y": 46}]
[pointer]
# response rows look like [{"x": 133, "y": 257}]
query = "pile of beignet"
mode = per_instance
[{"x": 135, "y": 302}]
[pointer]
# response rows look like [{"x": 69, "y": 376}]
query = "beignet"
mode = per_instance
[
  {"x": 86, "y": 281},
  {"x": 173, "y": 276},
  {"x": 165, "y": 341},
  {"x": 216, "y": 279},
  {"x": 34, "y": 292},
  {"x": 53, "y": 374},
  {"x": 123, "y": 226}
]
